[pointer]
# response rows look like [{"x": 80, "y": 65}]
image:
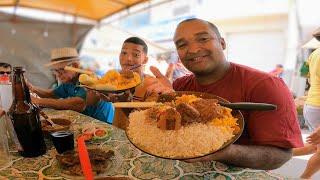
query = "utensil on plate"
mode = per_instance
[
  {"x": 234, "y": 106},
  {"x": 84, "y": 158},
  {"x": 243, "y": 106},
  {"x": 48, "y": 119},
  {"x": 69, "y": 68},
  {"x": 247, "y": 106},
  {"x": 135, "y": 104}
]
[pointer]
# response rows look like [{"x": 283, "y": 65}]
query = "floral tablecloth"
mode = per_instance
[{"x": 130, "y": 162}]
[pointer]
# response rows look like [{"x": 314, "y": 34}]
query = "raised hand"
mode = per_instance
[{"x": 159, "y": 84}]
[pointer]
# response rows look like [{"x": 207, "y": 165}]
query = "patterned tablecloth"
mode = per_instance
[{"x": 130, "y": 162}]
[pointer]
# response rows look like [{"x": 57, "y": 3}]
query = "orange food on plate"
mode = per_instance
[
  {"x": 112, "y": 80},
  {"x": 186, "y": 127}
]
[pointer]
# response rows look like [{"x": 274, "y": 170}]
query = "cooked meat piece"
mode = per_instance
[
  {"x": 69, "y": 158},
  {"x": 150, "y": 97},
  {"x": 99, "y": 159},
  {"x": 100, "y": 155},
  {"x": 75, "y": 170},
  {"x": 169, "y": 119},
  {"x": 153, "y": 112},
  {"x": 167, "y": 97},
  {"x": 188, "y": 114},
  {"x": 170, "y": 124},
  {"x": 208, "y": 109}
]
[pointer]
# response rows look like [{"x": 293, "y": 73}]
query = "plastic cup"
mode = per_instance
[
  {"x": 4, "y": 148},
  {"x": 63, "y": 141}
]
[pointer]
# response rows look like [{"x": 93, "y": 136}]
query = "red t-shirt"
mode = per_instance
[{"x": 243, "y": 84}]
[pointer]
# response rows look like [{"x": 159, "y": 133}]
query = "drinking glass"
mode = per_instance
[{"x": 4, "y": 147}]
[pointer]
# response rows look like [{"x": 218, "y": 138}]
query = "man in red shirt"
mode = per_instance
[{"x": 269, "y": 136}]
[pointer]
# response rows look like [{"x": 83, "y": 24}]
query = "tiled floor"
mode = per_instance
[{"x": 296, "y": 165}]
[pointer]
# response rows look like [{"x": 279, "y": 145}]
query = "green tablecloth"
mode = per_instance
[{"x": 130, "y": 162}]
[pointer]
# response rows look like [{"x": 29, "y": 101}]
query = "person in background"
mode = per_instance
[
  {"x": 278, "y": 71},
  {"x": 311, "y": 113},
  {"x": 134, "y": 55},
  {"x": 268, "y": 137},
  {"x": 5, "y": 72},
  {"x": 179, "y": 70},
  {"x": 68, "y": 95}
]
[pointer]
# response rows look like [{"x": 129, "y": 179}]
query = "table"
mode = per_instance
[{"x": 134, "y": 164}]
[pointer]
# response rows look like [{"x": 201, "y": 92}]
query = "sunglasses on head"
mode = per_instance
[{"x": 5, "y": 72}]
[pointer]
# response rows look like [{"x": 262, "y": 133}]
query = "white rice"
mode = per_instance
[{"x": 190, "y": 141}]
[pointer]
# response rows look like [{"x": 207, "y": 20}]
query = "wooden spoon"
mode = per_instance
[{"x": 48, "y": 119}]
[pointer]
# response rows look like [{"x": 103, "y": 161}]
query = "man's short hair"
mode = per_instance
[
  {"x": 213, "y": 27},
  {"x": 5, "y": 65},
  {"x": 138, "y": 41}
]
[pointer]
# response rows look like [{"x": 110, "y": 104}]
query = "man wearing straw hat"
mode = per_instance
[{"x": 69, "y": 96}]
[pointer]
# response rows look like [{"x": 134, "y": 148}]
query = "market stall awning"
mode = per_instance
[{"x": 91, "y": 9}]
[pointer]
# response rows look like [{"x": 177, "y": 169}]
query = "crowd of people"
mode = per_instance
[{"x": 269, "y": 138}]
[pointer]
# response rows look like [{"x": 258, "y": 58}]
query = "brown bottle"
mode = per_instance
[{"x": 25, "y": 118}]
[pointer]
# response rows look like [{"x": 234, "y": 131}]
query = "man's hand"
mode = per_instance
[
  {"x": 250, "y": 156},
  {"x": 30, "y": 86},
  {"x": 92, "y": 97},
  {"x": 211, "y": 157},
  {"x": 314, "y": 138},
  {"x": 111, "y": 97},
  {"x": 43, "y": 93},
  {"x": 35, "y": 100},
  {"x": 159, "y": 84}
]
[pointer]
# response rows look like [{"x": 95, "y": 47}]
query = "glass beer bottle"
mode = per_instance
[{"x": 25, "y": 118}]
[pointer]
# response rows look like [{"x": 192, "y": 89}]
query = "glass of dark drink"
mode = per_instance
[{"x": 63, "y": 141}]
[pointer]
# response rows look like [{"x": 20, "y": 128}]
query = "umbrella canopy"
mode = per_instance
[{"x": 90, "y": 9}]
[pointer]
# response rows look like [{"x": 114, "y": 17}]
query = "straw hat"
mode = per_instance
[
  {"x": 314, "y": 43},
  {"x": 316, "y": 34},
  {"x": 61, "y": 55}
]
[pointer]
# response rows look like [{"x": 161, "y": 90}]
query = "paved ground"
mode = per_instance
[{"x": 296, "y": 165}]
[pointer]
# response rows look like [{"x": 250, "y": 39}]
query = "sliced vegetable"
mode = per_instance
[
  {"x": 87, "y": 136},
  {"x": 101, "y": 134}
]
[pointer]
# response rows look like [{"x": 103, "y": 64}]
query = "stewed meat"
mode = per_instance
[
  {"x": 168, "y": 97},
  {"x": 208, "y": 109},
  {"x": 169, "y": 119},
  {"x": 188, "y": 114}
]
